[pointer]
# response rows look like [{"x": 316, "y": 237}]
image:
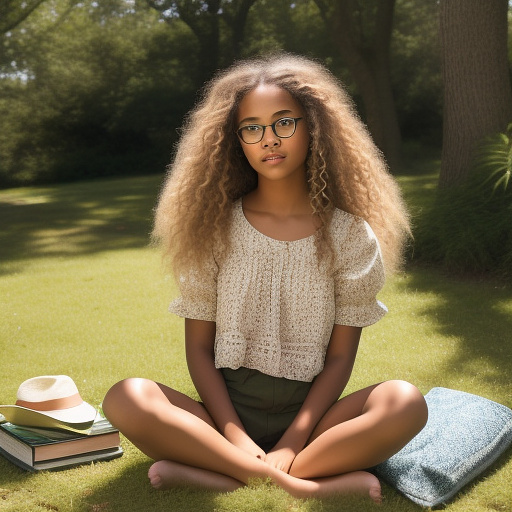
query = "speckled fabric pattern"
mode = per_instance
[
  {"x": 464, "y": 435},
  {"x": 275, "y": 306}
]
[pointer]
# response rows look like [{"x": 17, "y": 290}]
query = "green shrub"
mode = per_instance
[{"x": 468, "y": 229}]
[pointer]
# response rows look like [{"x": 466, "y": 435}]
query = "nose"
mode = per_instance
[
  {"x": 270, "y": 139},
  {"x": 271, "y": 143}
]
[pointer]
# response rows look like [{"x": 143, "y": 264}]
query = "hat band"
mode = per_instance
[{"x": 52, "y": 405}]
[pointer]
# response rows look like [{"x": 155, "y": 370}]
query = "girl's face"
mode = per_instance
[{"x": 273, "y": 157}]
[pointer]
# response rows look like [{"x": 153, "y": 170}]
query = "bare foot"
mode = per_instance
[
  {"x": 166, "y": 474},
  {"x": 357, "y": 482}
]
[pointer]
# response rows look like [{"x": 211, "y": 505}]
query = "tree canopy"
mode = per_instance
[{"x": 91, "y": 88}]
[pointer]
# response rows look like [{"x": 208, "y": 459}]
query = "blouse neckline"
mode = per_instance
[{"x": 245, "y": 220}]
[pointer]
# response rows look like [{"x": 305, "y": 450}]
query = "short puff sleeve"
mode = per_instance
[
  {"x": 198, "y": 294},
  {"x": 359, "y": 276}
]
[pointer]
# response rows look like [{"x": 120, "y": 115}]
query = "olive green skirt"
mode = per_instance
[{"x": 266, "y": 405}]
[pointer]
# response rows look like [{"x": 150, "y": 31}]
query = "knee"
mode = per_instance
[
  {"x": 123, "y": 399},
  {"x": 408, "y": 401}
]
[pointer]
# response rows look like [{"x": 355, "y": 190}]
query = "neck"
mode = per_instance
[{"x": 286, "y": 197}]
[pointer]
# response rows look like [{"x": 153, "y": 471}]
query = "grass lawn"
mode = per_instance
[{"x": 82, "y": 294}]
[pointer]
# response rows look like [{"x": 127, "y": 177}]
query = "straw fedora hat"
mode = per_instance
[{"x": 48, "y": 401}]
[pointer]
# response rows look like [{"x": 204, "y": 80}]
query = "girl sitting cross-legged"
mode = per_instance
[{"x": 280, "y": 220}]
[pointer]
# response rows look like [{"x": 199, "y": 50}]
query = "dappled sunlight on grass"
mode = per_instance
[
  {"x": 74, "y": 219},
  {"x": 59, "y": 241},
  {"x": 474, "y": 317},
  {"x": 418, "y": 192},
  {"x": 20, "y": 197},
  {"x": 418, "y": 181}
]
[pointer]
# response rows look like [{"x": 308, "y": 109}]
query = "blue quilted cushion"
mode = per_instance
[{"x": 464, "y": 435}]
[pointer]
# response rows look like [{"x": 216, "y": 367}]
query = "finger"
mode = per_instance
[{"x": 278, "y": 465}]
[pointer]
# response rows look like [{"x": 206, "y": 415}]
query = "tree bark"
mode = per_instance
[
  {"x": 367, "y": 56},
  {"x": 477, "y": 91},
  {"x": 206, "y": 29},
  {"x": 237, "y": 21},
  {"x": 12, "y": 13},
  {"x": 205, "y": 24}
]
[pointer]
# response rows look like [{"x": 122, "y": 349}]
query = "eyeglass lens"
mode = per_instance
[{"x": 283, "y": 128}]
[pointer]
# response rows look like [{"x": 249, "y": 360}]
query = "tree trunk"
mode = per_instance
[
  {"x": 205, "y": 26},
  {"x": 203, "y": 18},
  {"x": 477, "y": 91},
  {"x": 367, "y": 58},
  {"x": 13, "y": 12},
  {"x": 236, "y": 18}
]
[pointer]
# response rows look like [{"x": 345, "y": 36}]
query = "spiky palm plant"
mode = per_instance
[{"x": 493, "y": 161}]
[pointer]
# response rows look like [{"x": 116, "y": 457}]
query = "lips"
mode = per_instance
[{"x": 273, "y": 157}]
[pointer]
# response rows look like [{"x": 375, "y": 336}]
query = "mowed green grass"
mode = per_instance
[{"x": 83, "y": 294}]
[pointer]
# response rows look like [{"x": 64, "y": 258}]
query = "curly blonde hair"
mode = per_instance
[{"x": 210, "y": 172}]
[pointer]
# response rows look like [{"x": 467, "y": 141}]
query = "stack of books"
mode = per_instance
[{"x": 38, "y": 448}]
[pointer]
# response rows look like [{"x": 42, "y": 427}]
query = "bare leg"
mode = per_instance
[
  {"x": 362, "y": 430},
  {"x": 168, "y": 426}
]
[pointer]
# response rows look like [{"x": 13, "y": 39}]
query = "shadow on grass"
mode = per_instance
[
  {"x": 75, "y": 219},
  {"x": 475, "y": 313},
  {"x": 478, "y": 314},
  {"x": 11, "y": 474},
  {"x": 498, "y": 465},
  {"x": 130, "y": 490}
]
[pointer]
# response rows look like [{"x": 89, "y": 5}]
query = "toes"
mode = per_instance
[
  {"x": 376, "y": 494},
  {"x": 154, "y": 476}
]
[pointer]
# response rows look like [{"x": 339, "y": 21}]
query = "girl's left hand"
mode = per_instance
[{"x": 281, "y": 458}]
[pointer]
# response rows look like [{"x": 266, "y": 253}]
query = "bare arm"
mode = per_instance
[
  {"x": 199, "y": 343},
  {"x": 325, "y": 391}
]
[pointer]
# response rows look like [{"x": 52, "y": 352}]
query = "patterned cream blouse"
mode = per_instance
[{"x": 275, "y": 306}]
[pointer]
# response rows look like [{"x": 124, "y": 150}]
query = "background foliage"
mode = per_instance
[{"x": 100, "y": 88}]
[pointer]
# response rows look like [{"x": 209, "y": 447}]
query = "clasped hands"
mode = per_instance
[{"x": 280, "y": 457}]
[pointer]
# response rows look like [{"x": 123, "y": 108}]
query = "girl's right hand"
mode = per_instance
[{"x": 245, "y": 443}]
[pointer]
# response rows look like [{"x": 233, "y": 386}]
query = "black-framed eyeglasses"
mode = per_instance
[{"x": 283, "y": 128}]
